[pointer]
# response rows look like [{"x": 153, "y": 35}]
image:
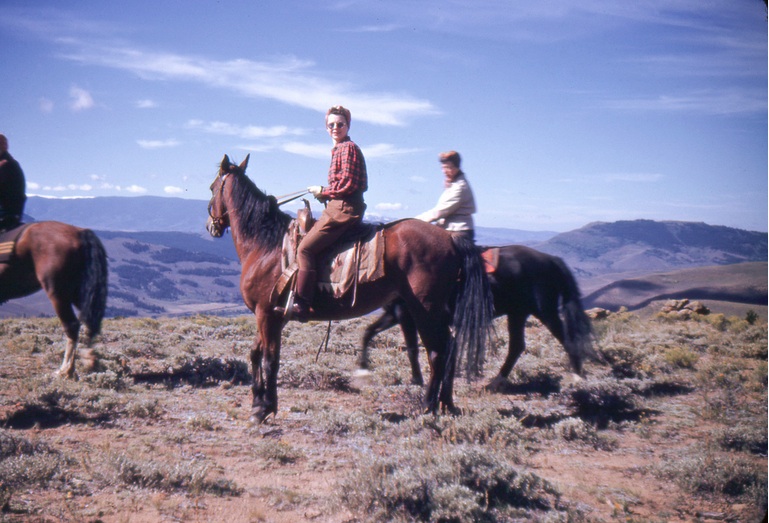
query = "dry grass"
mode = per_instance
[{"x": 671, "y": 428}]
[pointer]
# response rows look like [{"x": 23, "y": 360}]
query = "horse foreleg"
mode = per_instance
[
  {"x": 265, "y": 362},
  {"x": 257, "y": 387},
  {"x": 516, "y": 346},
  {"x": 552, "y": 320}
]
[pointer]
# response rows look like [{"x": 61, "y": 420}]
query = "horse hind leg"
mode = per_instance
[
  {"x": 71, "y": 325},
  {"x": 67, "y": 369},
  {"x": 517, "y": 344},
  {"x": 440, "y": 387},
  {"x": 409, "y": 329},
  {"x": 381, "y": 324}
]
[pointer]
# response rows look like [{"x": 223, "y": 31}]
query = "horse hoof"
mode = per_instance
[
  {"x": 259, "y": 416},
  {"x": 66, "y": 375},
  {"x": 498, "y": 384},
  {"x": 362, "y": 373},
  {"x": 452, "y": 410}
]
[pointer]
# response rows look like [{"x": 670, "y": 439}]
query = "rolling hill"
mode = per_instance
[
  {"x": 744, "y": 283},
  {"x": 601, "y": 253},
  {"x": 162, "y": 262}
]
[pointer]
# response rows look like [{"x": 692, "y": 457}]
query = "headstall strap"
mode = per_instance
[{"x": 217, "y": 220}]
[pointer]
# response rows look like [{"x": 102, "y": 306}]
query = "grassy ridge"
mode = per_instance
[{"x": 673, "y": 426}]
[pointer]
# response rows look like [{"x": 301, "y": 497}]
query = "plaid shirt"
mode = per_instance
[{"x": 347, "y": 172}]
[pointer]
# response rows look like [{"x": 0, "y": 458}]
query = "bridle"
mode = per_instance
[{"x": 217, "y": 221}]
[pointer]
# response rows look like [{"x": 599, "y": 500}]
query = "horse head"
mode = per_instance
[{"x": 218, "y": 214}]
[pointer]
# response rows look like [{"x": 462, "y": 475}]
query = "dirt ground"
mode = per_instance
[{"x": 290, "y": 468}]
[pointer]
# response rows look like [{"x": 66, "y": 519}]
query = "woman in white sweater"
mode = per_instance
[{"x": 456, "y": 205}]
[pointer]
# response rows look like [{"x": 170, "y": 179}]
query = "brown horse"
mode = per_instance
[
  {"x": 70, "y": 265},
  {"x": 526, "y": 282},
  {"x": 441, "y": 283}
]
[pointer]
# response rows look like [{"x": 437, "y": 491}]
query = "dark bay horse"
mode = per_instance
[
  {"x": 440, "y": 281},
  {"x": 70, "y": 265},
  {"x": 526, "y": 282}
]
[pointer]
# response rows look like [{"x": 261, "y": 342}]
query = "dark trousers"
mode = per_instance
[{"x": 339, "y": 216}]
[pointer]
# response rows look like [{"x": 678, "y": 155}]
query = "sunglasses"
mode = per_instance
[{"x": 336, "y": 125}]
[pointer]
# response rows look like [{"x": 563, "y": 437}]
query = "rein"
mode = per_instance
[{"x": 290, "y": 197}]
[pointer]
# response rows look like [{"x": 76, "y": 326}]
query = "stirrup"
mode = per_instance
[{"x": 287, "y": 309}]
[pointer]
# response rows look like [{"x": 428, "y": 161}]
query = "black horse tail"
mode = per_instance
[
  {"x": 473, "y": 311},
  {"x": 578, "y": 331},
  {"x": 93, "y": 283}
]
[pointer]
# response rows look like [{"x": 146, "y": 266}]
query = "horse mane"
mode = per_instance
[{"x": 261, "y": 221}]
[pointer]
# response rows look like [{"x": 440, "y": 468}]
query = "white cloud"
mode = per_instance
[
  {"x": 157, "y": 144},
  {"x": 292, "y": 81},
  {"x": 62, "y": 187},
  {"x": 46, "y": 105},
  {"x": 80, "y": 99},
  {"x": 633, "y": 177},
  {"x": 723, "y": 102},
  {"x": 244, "y": 131},
  {"x": 170, "y": 189},
  {"x": 146, "y": 104},
  {"x": 385, "y": 207},
  {"x": 135, "y": 189},
  {"x": 309, "y": 150},
  {"x": 381, "y": 150},
  {"x": 418, "y": 179},
  {"x": 131, "y": 188},
  {"x": 33, "y": 186}
]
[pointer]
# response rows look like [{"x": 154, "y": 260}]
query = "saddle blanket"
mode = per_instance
[
  {"x": 358, "y": 262},
  {"x": 490, "y": 257},
  {"x": 8, "y": 242},
  {"x": 348, "y": 264}
]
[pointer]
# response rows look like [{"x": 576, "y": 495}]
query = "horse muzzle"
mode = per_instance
[{"x": 214, "y": 228}]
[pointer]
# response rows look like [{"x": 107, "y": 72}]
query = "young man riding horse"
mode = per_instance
[
  {"x": 12, "y": 188},
  {"x": 343, "y": 196}
]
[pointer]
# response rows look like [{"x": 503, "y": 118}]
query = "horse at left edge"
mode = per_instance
[
  {"x": 440, "y": 280},
  {"x": 70, "y": 264}
]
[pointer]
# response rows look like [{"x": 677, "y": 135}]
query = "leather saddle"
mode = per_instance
[
  {"x": 357, "y": 257},
  {"x": 8, "y": 240}
]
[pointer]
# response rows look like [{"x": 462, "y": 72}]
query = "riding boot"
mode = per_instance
[{"x": 305, "y": 290}]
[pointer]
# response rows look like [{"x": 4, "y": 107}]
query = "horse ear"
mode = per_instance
[
  {"x": 244, "y": 163},
  {"x": 225, "y": 162}
]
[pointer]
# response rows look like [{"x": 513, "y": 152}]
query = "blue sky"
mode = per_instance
[{"x": 565, "y": 112}]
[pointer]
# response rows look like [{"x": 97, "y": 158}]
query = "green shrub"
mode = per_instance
[
  {"x": 681, "y": 357},
  {"x": 748, "y": 437},
  {"x": 707, "y": 473},
  {"x": 459, "y": 483},
  {"x": 604, "y": 400},
  {"x": 277, "y": 451},
  {"x": 179, "y": 477}
]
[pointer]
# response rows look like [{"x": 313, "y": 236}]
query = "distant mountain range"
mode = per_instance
[
  {"x": 162, "y": 261},
  {"x": 154, "y": 213}
]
